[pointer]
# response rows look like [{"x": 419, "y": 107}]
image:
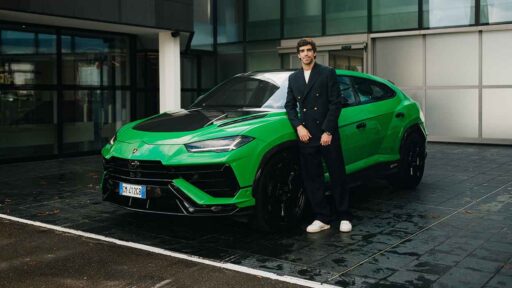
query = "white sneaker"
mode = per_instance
[
  {"x": 317, "y": 226},
  {"x": 345, "y": 226}
]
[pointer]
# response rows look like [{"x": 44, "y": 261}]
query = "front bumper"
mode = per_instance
[{"x": 181, "y": 190}]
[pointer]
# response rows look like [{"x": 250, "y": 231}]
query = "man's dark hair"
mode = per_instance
[{"x": 305, "y": 42}]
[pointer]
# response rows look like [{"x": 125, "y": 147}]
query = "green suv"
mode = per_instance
[{"x": 234, "y": 150}]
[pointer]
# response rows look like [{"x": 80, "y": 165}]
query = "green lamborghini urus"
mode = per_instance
[{"x": 234, "y": 150}]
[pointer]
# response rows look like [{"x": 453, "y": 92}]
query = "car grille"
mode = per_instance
[
  {"x": 215, "y": 180},
  {"x": 162, "y": 199}
]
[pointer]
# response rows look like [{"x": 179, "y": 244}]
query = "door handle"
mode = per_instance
[
  {"x": 361, "y": 125},
  {"x": 400, "y": 115}
]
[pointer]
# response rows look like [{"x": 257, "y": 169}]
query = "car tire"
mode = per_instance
[
  {"x": 279, "y": 193},
  {"x": 412, "y": 162}
]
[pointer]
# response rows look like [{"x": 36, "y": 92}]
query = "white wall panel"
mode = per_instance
[
  {"x": 417, "y": 95},
  {"x": 400, "y": 59},
  {"x": 452, "y": 59},
  {"x": 496, "y": 113},
  {"x": 452, "y": 112},
  {"x": 496, "y": 57}
]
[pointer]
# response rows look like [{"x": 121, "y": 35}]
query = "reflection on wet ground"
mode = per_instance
[{"x": 454, "y": 230}]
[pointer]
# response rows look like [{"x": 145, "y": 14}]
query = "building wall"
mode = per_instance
[
  {"x": 448, "y": 55},
  {"x": 460, "y": 77}
]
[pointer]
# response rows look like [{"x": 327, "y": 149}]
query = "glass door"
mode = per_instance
[
  {"x": 352, "y": 58},
  {"x": 348, "y": 59}
]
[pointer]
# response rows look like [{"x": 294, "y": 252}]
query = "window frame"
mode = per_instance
[{"x": 59, "y": 87}]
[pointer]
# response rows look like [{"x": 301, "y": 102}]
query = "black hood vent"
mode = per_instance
[{"x": 174, "y": 122}]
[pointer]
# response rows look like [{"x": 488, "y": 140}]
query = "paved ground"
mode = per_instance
[
  {"x": 37, "y": 257},
  {"x": 455, "y": 230}
]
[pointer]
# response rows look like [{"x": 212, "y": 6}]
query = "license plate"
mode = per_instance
[{"x": 137, "y": 191}]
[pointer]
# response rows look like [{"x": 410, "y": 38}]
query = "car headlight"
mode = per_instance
[
  {"x": 224, "y": 144},
  {"x": 113, "y": 139}
]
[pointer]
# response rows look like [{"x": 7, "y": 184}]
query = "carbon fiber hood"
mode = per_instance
[{"x": 191, "y": 120}]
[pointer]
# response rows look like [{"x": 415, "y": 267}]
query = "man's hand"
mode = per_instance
[
  {"x": 326, "y": 139},
  {"x": 303, "y": 134}
]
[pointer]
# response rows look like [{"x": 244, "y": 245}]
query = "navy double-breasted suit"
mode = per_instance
[{"x": 317, "y": 106}]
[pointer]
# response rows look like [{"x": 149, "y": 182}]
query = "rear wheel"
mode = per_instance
[
  {"x": 412, "y": 162},
  {"x": 279, "y": 193}
]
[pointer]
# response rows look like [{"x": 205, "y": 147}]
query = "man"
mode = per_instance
[{"x": 313, "y": 105}]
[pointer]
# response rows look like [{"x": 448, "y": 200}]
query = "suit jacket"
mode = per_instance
[{"x": 315, "y": 105}]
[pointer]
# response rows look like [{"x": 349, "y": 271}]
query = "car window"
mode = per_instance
[
  {"x": 238, "y": 92},
  {"x": 347, "y": 92},
  {"x": 371, "y": 91}
]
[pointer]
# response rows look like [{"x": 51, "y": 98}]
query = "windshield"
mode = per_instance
[{"x": 265, "y": 90}]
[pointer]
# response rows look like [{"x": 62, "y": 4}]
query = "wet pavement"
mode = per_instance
[
  {"x": 454, "y": 230},
  {"x": 39, "y": 257}
]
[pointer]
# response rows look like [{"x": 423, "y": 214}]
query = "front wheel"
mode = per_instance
[
  {"x": 412, "y": 162},
  {"x": 279, "y": 193}
]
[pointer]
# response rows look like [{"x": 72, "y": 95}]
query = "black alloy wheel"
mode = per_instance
[
  {"x": 279, "y": 193},
  {"x": 412, "y": 162}
]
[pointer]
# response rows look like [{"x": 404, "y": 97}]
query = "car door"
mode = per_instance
[
  {"x": 375, "y": 111},
  {"x": 358, "y": 136}
]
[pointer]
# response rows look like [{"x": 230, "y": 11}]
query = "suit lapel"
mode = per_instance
[
  {"x": 300, "y": 83},
  {"x": 312, "y": 78}
]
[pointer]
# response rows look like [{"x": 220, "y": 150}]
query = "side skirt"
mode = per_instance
[{"x": 377, "y": 171}]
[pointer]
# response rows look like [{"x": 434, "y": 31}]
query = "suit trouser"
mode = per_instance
[{"x": 313, "y": 176}]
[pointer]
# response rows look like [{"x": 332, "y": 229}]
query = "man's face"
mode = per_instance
[{"x": 306, "y": 54}]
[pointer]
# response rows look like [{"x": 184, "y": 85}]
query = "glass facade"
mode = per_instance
[
  {"x": 263, "y": 19},
  {"x": 97, "y": 67},
  {"x": 198, "y": 72},
  {"x": 302, "y": 18},
  {"x": 189, "y": 81},
  {"x": 28, "y": 109},
  {"x": 27, "y": 57},
  {"x": 439, "y": 13},
  {"x": 188, "y": 72},
  {"x": 207, "y": 71},
  {"x": 147, "y": 99},
  {"x": 230, "y": 61},
  {"x": 346, "y": 16},
  {"x": 91, "y": 117},
  {"x": 495, "y": 11},
  {"x": 245, "y": 29},
  {"x": 263, "y": 56},
  {"x": 198, "y": 75},
  {"x": 46, "y": 114},
  {"x": 29, "y": 119},
  {"x": 203, "y": 25},
  {"x": 95, "y": 61},
  {"x": 230, "y": 17},
  {"x": 388, "y": 15}
]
